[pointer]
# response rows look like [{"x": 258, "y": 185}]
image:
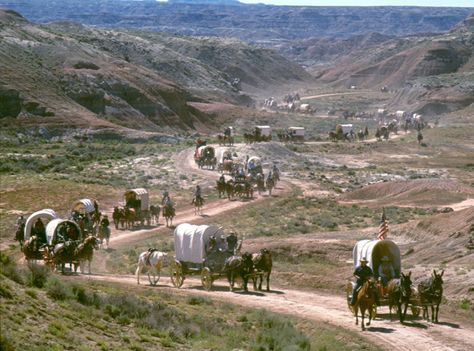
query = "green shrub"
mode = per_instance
[
  {"x": 5, "y": 343},
  {"x": 57, "y": 289},
  {"x": 198, "y": 300},
  {"x": 38, "y": 275}
]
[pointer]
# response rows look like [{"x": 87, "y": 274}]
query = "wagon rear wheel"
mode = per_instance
[
  {"x": 176, "y": 274},
  {"x": 206, "y": 278}
]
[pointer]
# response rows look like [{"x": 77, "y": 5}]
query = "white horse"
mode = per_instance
[{"x": 153, "y": 262}]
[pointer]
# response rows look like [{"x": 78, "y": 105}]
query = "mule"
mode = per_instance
[
  {"x": 399, "y": 293},
  {"x": 229, "y": 189},
  {"x": 220, "y": 186},
  {"x": 239, "y": 266},
  {"x": 263, "y": 263},
  {"x": 85, "y": 251},
  {"x": 430, "y": 292},
  {"x": 365, "y": 302},
  {"x": 153, "y": 261},
  {"x": 61, "y": 254},
  {"x": 118, "y": 217}
]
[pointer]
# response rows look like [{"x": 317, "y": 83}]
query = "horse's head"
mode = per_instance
[
  {"x": 92, "y": 241},
  {"x": 437, "y": 281},
  {"x": 405, "y": 284}
]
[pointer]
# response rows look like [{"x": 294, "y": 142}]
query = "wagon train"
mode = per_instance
[{"x": 375, "y": 251}]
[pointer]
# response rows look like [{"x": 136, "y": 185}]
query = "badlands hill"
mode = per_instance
[
  {"x": 67, "y": 75},
  {"x": 255, "y": 23}
]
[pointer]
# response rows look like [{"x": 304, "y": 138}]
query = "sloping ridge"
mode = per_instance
[{"x": 418, "y": 192}]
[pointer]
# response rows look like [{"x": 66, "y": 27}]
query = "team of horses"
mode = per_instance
[{"x": 400, "y": 294}]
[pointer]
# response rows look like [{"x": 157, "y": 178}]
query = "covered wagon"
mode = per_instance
[
  {"x": 226, "y": 162},
  {"x": 254, "y": 165},
  {"x": 137, "y": 206},
  {"x": 265, "y": 132},
  {"x": 83, "y": 206},
  {"x": 36, "y": 224},
  {"x": 200, "y": 250},
  {"x": 296, "y": 133},
  {"x": 205, "y": 156},
  {"x": 62, "y": 230}
]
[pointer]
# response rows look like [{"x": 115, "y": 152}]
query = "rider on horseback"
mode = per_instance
[
  {"x": 197, "y": 196},
  {"x": 362, "y": 273},
  {"x": 165, "y": 198}
]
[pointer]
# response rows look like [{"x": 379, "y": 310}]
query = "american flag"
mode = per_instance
[{"x": 383, "y": 228}]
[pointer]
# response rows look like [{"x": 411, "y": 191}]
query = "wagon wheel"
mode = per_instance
[
  {"x": 176, "y": 274},
  {"x": 154, "y": 276},
  {"x": 206, "y": 278}
]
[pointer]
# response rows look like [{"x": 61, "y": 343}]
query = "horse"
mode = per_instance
[
  {"x": 365, "y": 301},
  {"x": 118, "y": 217},
  {"x": 130, "y": 216},
  {"x": 430, "y": 293},
  {"x": 270, "y": 184},
  {"x": 153, "y": 261},
  {"x": 399, "y": 292},
  {"x": 20, "y": 235},
  {"x": 103, "y": 233},
  {"x": 85, "y": 251},
  {"x": 229, "y": 189},
  {"x": 31, "y": 248},
  {"x": 263, "y": 263},
  {"x": 260, "y": 183},
  {"x": 169, "y": 213},
  {"x": 61, "y": 254},
  {"x": 238, "y": 266},
  {"x": 155, "y": 213},
  {"x": 220, "y": 186},
  {"x": 198, "y": 202}
]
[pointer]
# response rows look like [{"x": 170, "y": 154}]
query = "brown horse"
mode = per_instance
[
  {"x": 155, "y": 214},
  {"x": 118, "y": 217},
  {"x": 61, "y": 254},
  {"x": 366, "y": 302},
  {"x": 85, "y": 252},
  {"x": 238, "y": 266},
  {"x": 263, "y": 263}
]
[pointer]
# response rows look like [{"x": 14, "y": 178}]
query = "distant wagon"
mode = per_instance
[
  {"x": 254, "y": 165},
  {"x": 200, "y": 250},
  {"x": 296, "y": 134},
  {"x": 265, "y": 132},
  {"x": 226, "y": 162},
  {"x": 137, "y": 206},
  {"x": 83, "y": 206},
  {"x": 205, "y": 156}
]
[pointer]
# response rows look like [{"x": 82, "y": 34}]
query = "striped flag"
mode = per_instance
[{"x": 383, "y": 228}]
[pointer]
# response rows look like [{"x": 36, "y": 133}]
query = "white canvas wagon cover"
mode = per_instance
[
  {"x": 51, "y": 229},
  {"x": 138, "y": 194},
  {"x": 30, "y": 221},
  {"x": 254, "y": 160},
  {"x": 265, "y": 130},
  {"x": 346, "y": 128},
  {"x": 299, "y": 131},
  {"x": 224, "y": 153},
  {"x": 202, "y": 149},
  {"x": 190, "y": 241},
  {"x": 374, "y": 250},
  {"x": 83, "y": 205}
]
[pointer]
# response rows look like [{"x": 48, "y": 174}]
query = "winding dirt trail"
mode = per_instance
[{"x": 389, "y": 335}]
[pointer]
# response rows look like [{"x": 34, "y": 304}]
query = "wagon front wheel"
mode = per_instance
[
  {"x": 176, "y": 274},
  {"x": 206, "y": 278}
]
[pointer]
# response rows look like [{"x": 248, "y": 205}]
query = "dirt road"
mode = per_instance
[{"x": 390, "y": 335}]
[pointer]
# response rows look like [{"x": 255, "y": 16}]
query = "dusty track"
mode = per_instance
[{"x": 390, "y": 335}]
